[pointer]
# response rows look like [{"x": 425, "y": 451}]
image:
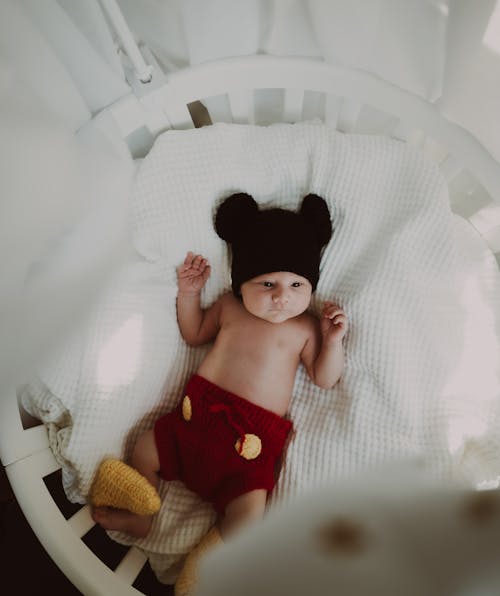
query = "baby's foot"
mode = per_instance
[{"x": 122, "y": 521}]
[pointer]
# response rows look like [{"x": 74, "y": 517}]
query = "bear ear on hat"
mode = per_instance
[
  {"x": 234, "y": 214},
  {"x": 315, "y": 210}
]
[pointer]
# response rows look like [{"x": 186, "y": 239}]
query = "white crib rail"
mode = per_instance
[
  {"x": 62, "y": 538},
  {"x": 354, "y": 101},
  {"x": 355, "y": 88}
]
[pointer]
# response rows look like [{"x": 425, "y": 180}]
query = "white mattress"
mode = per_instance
[{"x": 419, "y": 287}]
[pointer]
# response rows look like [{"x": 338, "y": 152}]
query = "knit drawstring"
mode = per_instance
[{"x": 226, "y": 410}]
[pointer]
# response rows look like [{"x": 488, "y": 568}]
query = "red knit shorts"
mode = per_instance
[{"x": 219, "y": 444}]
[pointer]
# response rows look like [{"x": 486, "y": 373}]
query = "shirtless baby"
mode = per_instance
[{"x": 228, "y": 432}]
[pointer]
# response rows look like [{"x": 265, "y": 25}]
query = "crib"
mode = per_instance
[{"x": 352, "y": 102}]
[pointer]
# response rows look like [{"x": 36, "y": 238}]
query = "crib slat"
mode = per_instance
[
  {"x": 409, "y": 134},
  {"x": 492, "y": 238},
  {"x": 23, "y": 443},
  {"x": 416, "y": 138},
  {"x": 46, "y": 462},
  {"x": 487, "y": 218},
  {"x": 82, "y": 521},
  {"x": 373, "y": 121},
  {"x": 15, "y": 441},
  {"x": 433, "y": 150},
  {"x": 332, "y": 109},
  {"x": 293, "y": 104},
  {"x": 313, "y": 105},
  {"x": 218, "y": 108},
  {"x": 467, "y": 196},
  {"x": 450, "y": 168},
  {"x": 155, "y": 118},
  {"x": 131, "y": 564},
  {"x": 241, "y": 103},
  {"x": 174, "y": 108},
  {"x": 348, "y": 115}
]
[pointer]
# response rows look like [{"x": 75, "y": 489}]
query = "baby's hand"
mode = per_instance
[
  {"x": 192, "y": 275},
  {"x": 333, "y": 323}
]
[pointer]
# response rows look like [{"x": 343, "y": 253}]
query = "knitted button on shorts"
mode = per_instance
[{"x": 203, "y": 443}]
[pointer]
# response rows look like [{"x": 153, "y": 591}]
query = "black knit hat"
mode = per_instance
[{"x": 268, "y": 240}]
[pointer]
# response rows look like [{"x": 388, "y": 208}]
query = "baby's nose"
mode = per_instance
[{"x": 280, "y": 296}]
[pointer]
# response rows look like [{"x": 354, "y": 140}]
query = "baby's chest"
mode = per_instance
[{"x": 278, "y": 340}]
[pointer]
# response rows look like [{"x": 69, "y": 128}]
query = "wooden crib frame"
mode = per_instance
[{"x": 354, "y": 102}]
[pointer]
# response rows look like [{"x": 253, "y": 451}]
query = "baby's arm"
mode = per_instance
[
  {"x": 323, "y": 354},
  {"x": 197, "y": 326}
]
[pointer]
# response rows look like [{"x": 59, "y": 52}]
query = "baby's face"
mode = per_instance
[{"x": 276, "y": 297}]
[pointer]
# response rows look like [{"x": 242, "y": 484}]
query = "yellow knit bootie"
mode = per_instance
[
  {"x": 188, "y": 577},
  {"x": 118, "y": 485}
]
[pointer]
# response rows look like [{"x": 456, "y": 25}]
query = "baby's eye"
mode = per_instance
[
  {"x": 268, "y": 284},
  {"x": 296, "y": 284}
]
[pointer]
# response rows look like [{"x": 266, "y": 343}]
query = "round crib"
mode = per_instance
[{"x": 352, "y": 102}]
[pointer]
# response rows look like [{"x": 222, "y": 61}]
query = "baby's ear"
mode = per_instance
[
  {"x": 315, "y": 210},
  {"x": 234, "y": 215}
]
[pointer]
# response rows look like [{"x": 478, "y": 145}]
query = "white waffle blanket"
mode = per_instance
[{"x": 392, "y": 265}]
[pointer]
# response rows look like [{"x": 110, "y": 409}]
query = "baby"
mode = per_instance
[{"x": 227, "y": 434}]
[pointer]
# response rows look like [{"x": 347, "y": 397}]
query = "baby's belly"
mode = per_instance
[{"x": 263, "y": 384}]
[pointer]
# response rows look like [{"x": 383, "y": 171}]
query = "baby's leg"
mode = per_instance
[
  {"x": 145, "y": 457},
  {"x": 145, "y": 460},
  {"x": 242, "y": 510},
  {"x": 238, "y": 513}
]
